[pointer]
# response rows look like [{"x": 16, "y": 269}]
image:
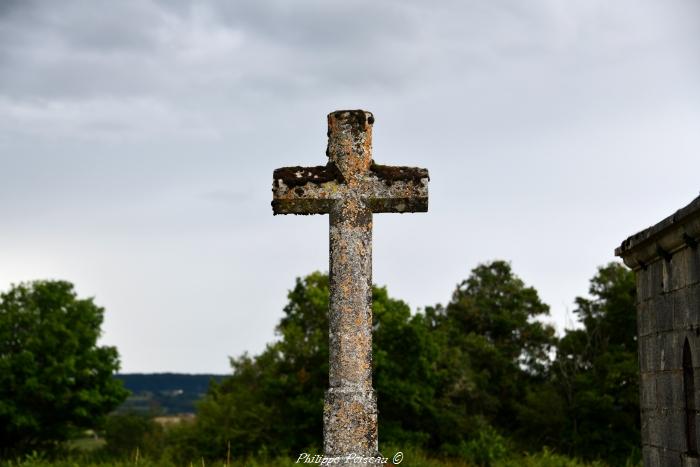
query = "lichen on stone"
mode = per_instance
[
  {"x": 390, "y": 174},
  {"x": 300, "y": 176}
]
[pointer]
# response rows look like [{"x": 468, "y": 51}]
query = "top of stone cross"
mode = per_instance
[
  {"x": 350, "y": 142},
  {"x": 354, "y": 117},
  {"x": 664, "y": 238}
]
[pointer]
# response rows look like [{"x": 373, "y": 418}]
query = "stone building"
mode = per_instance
[{"x": 666, "y": 262}]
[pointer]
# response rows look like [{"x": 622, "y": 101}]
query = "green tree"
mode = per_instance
[
  {"x": 274, "y": 402},
  {"x": 596, "y": 370},
  {"x": 127, "y": 432},
  {"x": 471, "y": 379},
  {"x": 495, "y": 354},
  {"x": 496, "y": 305},
  {"x": 54, "y": 378}
]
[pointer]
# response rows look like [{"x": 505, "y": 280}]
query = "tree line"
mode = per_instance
[
  {"x": 479, "y": 378},
  {"x": 476, "y": 378}
]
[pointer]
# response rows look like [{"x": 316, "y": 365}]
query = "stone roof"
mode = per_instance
[{"x": 663, "y": 239}]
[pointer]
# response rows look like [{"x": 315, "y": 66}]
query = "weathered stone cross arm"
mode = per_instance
[
  {"x": 350, "y": 172},
  {"x": 311, "y": 190}
]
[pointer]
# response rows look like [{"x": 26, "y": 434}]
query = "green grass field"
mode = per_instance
[{"x": 411, "y": 458}]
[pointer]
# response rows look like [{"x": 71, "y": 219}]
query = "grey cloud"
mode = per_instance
[
  {"x": 77, "y": 49},
  {"x": 325, "y": 26},
  {"x": 137, "y": 140}
]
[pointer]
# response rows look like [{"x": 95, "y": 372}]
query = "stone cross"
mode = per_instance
[{"x": 350, "y": 187}]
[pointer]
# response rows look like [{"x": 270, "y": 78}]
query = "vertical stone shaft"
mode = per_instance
[
  {"x": 350, "y": 410},
  {"x": 351, "y": 296}
]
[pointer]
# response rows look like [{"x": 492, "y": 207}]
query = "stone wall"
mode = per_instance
[
  {"x": 668, "y": 313},
  {"x": 666, "y": 261}
]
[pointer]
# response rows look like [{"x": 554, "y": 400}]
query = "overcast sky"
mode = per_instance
[{"x": 138, "y": 140}]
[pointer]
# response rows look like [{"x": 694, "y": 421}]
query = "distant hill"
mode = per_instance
[{"x": 164, "y": 393}]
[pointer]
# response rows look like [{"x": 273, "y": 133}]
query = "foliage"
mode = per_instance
[
  {"x": 596, "y": 370},
  {"x": 412, "y": 457},
  {"x": 124, "y": 433},
  {"x": 484, "y": 448},
  {"x": 479, "y": 381},
  {"x": 495, "y": 305},
  {"x": 547, "y": 458},
  {"x": 287, "y": 381},
  {"x": 54, "y": 378},
  {"x": 181, "y": 443},
  {"x": 494, "y": 353},
  {"x": 274, "y": 401},
  {"x": 451, "y": 379},
  {"x": 475, "y": 379}
]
